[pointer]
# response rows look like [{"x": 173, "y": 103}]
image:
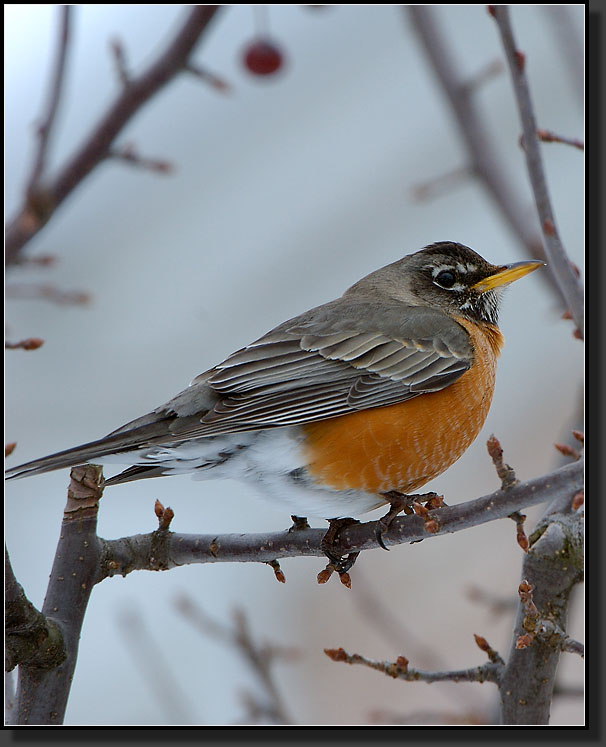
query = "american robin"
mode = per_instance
[{"x": 334, "y": 412}]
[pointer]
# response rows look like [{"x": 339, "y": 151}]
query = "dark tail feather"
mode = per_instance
[
  {"x": 113, "y": 444},
  {"x": 138, "y": 472}
]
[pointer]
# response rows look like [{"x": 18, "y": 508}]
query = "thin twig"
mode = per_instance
[
  {"x": 128, "y": 154},
  {"x": 561, "y": 267},
  {"x": 30, "y": 343},
  {"x": 489, "y": 672},
  {"x": 546, "y": 136},
  {"x": 54, "y": 97},
  {"x": 505, "y": 472},
  {"x": 476, "y": 135},
  {"x": 119, "y": 55},
  {"x": 218, "y": 83}
]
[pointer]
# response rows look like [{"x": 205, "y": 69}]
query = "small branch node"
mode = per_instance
[
  {"x": 505, "y": 472},
  {"x": 218, "y": 83},
  {"x": 119, "y": 57},
  {"x": 546, "y": 136},
  {"x": 30, "y": 343},
  {"x": 521, "y": 537},
  {"x": 128, "y": 153},
  {"x": 278, "y": 572},
  {"x": 578, "y": 500},
  {"x": 164, "y": 515},
  {"x": 568, "y": 451},
  {"x": 484, "y": 646}
]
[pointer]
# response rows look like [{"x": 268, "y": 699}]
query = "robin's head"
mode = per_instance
[{"x": 449, "y": 276}]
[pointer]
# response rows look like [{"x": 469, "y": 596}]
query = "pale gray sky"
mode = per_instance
[{"x": 285, "y": 192}]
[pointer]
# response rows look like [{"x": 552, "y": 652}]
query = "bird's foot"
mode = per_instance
[
  {"x": 340, "y": 563},
  {"x": 409, "y": 504},
  {"x": 298, "y": 522}
]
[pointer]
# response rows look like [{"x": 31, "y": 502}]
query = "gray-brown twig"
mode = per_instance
[
  {"x": 561, "y": 267},
  {"x": 45, "y": 128},
  {"x": 546, "y": 136},
  {"x": 399, "y": 669},
  {"x": 483, "y": 156}
]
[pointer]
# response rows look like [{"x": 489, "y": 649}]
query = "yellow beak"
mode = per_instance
[{"x": 507, "y": 274}]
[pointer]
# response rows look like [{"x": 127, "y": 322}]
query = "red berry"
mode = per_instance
[{"x": 263, "y": 57}]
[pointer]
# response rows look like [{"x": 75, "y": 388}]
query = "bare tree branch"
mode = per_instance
[
  {"x": 526, "y": 683},
  {"x": 484, "y": 160},
  {"x": 565, "y": 275},
  {"x": 54, "y": 97},
  {"x": 489, "y": 672},
  {"x": 42, "y": 693},
  {"x": 553, "y": 565},
  {"x": 41, "y": 202},
  {"x": 164, "y": 550}
]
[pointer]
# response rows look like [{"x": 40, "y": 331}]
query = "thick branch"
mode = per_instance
[
  {"x": 39, "y": 207},
  {"x": 553, "y": 565},
  {"x": 565, "y": 275},
  {"x": 42, "y": 693},
  {"x": 31, "y": 638},
  {"x": 163, "y": 550}
]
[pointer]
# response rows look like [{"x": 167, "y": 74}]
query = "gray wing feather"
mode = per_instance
[{"x": 315, "y": 367}]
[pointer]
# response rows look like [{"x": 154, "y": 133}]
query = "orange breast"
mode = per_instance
[{"x": 401, "y": 447}]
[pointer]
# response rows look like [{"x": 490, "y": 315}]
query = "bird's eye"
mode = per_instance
[{"x": 445, "y": 279}]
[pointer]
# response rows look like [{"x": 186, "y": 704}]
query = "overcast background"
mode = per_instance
[{"x": 285, "y": 192}]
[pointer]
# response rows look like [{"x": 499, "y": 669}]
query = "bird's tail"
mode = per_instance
[
  {"x": 131, "y": 437},
  {"x": 68, "y": 458}
]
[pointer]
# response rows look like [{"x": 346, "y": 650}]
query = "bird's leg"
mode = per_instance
[
  {"x": 339, "y": 563},
  {"x": 401, "y": 502}
]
